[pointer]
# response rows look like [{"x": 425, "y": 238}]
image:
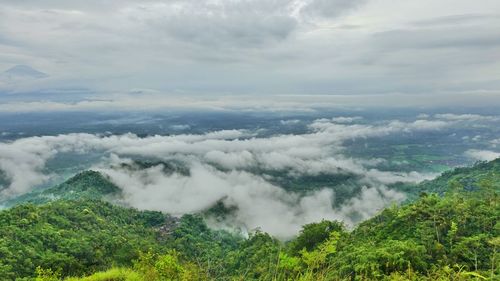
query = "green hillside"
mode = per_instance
[
  {"x": 462, "y": 179},
  {"x": 80, "y": 237},
  {"x": 453, "y": 234},
  {"x": 85, "y": 185},
  {"x": 465, "y": 178}
]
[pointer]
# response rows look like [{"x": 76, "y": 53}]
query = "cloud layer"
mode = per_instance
[
  {"x": 255, "y": 202},
  {"x": 222, "y": 168},
  {"x": 427, "y": 51}
]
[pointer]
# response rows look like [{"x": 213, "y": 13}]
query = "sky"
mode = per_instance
[{"x": 98, "y": 55}]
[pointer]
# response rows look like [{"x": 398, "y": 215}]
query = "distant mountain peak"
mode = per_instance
[{"x": 24, "y": 71}]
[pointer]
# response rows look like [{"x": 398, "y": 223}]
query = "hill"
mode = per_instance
[
  {"x": 85, "y": 185},
  {"x": 76, "y": 237},
  {"x": 23, "y": 71},
  {"x": 453, "y": 234},
  {"x": 465, "y": 178},
  {"x": 79, "y": 237}
]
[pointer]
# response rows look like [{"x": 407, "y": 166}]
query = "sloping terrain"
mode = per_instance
[
  {"x": 451, "y": 234},
  {"x": 85, "y": 185}
]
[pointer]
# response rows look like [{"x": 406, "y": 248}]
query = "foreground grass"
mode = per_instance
[{"x": 114, "y": 274}]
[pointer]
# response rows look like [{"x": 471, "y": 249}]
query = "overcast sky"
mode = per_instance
[{"x": 193, "y": 52}]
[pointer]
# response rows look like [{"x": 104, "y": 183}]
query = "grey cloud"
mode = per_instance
[
  {"x": 329, "y": 8},
  {"x": 458, "y": 19},
  {"x": 248, "y": 47},
  {"x": 240, "y": 23},
  {"x": 90, "y": 5},
  {"x": 449, "y": 37}
]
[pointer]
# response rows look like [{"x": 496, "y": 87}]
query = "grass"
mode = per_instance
[{"x": 114, "y": 274}]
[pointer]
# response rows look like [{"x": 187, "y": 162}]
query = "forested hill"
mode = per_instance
[
  {"x": 85, "y": 185},
  {"x": 452, "y": 235},
  {"x": 465, "y": 178}
]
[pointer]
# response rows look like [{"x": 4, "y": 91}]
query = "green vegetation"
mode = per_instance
[
  {"x": 85, "y": 185},
  {"x": 466, "y": 179},
  {"x": 463, "y": 179},
  {"x": 451, "y": 232},
  {"x": 73, "y": 237},
  {"x": 79, "y": 237}
]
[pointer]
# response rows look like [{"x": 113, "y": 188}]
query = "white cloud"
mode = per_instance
[
  {"x": 289, "y": 122},
  {"x": 420, "y": 125},
  {"x": 466, "y": 117},
  {"x": 495, "y": 142},
  {"x": 258, "y": 204},
  {"x": 312, "y": 153},
  {"x": 23, "y": 166},
  {"x": 273, "y": 103},
  {"x": 343, "y": 120},
  {"x": 180, "y": 127},
  {"x": 482, "y": 155},
  {"x": 238, "y": 153}
]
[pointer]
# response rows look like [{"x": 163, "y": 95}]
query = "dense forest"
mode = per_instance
[{"x": 71, "y": 232}]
